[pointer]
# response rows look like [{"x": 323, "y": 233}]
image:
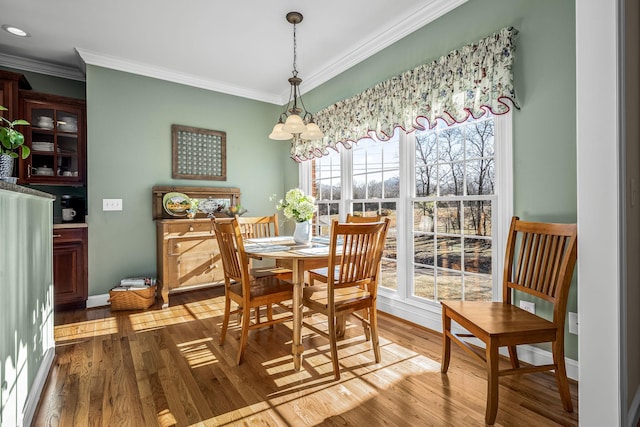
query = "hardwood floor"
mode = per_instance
[{"x": 165, "y": 367}]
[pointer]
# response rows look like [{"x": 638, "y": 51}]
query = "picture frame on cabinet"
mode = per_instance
[{"x": 198, "y": 153}]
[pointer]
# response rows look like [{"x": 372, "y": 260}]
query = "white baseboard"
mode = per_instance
[
  {"x": 633, "y": 417},
  {"x": 98, "y": 301},
  {"x": 431, "y": 318},
  {"x": 36, "y": 390}
]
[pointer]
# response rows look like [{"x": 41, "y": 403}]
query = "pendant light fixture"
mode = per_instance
[{"x": 295, "y": 123}]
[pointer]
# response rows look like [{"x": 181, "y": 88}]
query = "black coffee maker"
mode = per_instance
[{"x": 73, "y": 208}]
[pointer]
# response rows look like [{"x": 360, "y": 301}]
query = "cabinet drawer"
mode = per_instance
[
  {"x": 192, "y": 270},
  {"x": 186, "y": 228},
  {"x": 192, "y": 245}
]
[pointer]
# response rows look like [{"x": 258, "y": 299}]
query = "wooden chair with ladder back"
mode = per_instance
[
  {"x": 243, "y": 289},
  {"x": 320, "y": 274},
  {"x": 539, "y": 261},
  {"x": 355, "y": 252}
]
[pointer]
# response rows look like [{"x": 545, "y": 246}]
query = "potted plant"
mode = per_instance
[
  {"x": 300, "y": 207},
  {"x": 11, "y": 143}
]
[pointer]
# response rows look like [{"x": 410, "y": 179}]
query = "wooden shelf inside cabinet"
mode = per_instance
[{"x": 57, "y": 138}]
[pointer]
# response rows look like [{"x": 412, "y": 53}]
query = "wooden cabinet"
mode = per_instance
[
  {"x": 57, "y": 138},
  {"x": 187, "y": 250},
  {"x": 188, "y": 256},
  {"x": 70, "y": 267}
]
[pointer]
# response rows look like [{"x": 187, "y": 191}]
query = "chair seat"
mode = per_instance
[
  {"x": 499, "y": 319},
  {"x": 344, "y": 298},
  {"x": 264, "y": 288}
]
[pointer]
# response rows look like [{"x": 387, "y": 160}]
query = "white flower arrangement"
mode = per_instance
[{"x": 296, "y": 205}]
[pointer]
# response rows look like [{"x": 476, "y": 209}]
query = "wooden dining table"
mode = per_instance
[{"x": 299, "y": 258}]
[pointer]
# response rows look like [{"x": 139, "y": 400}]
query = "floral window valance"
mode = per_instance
[{"x": 471, "y": 80}]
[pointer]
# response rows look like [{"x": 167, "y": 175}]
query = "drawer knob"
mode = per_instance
[
  {"x": 177, "y": 246},
  {"x": 191, "y": 228}
]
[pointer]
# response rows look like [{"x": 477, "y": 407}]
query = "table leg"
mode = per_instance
[{"x": 298, "y": 282}]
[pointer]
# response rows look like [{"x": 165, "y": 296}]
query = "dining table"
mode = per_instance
[{"x": 299, "y": 258}]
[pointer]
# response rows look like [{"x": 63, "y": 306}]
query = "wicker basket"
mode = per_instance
[{"x": 133, "y": 299}]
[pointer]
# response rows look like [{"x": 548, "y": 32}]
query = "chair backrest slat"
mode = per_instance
[
  {"x": 258, "y": 226},
  {"x": 540, "y": 259}
]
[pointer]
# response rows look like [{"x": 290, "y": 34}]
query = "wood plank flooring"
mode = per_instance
[{"x": 165, "y": 368}]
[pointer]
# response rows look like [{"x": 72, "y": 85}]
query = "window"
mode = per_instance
[
  {"x": 452, "y": 219},
  {"x": 447, "y": 192}
]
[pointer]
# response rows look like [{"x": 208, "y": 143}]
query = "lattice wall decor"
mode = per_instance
[{"x": 199, "y": 153}]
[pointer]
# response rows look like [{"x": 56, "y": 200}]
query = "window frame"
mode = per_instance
[{"x": 401, "y": 302}]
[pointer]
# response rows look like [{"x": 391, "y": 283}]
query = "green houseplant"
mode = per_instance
[{"x": 11, "y": 144}]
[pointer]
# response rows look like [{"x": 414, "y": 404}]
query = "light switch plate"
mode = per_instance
[
  {"x": 111, "y": 204},
  {"x": 573, "y": 323}
]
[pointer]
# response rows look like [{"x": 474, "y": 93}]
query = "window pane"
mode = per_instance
[
  {"x": 389, "y": 278},
  {"x": 477, "y": 288},
  {"x": 424, "y": 283},
  {"x": 451, "y": 145},
  {"x": 423, "y": 249},
  {"x": 480, "y": 177},
  {"x": 477, "y": 255},
  {"x": 480, "y": 141},
  {"x": 423, "y": 214},
  {"x": 477, "y": 218},
  {"x": 449, "y": 285},
  {"x": 450, "y": 252},
  {"x": 391, "y": 245},
  {"x": 448, "y": 217}
]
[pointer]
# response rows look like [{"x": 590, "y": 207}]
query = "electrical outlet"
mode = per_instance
[
  {"x": 111, "y": 204},
  {"x": 573, "y": 323},
  {"x": 528, "y": 306}
]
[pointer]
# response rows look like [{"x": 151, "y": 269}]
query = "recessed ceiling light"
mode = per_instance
[{"x": 15, "y": 31}]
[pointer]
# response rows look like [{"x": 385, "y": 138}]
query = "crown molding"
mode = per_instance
[
  {"x": 40, "y": 67},
  {"x": 394, "y": 31},
  {"x": 106, "y": 61}
]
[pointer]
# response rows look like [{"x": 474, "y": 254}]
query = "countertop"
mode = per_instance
[
  {"x": 71, "y": 225},
  {"x": 24, "y": 190}
]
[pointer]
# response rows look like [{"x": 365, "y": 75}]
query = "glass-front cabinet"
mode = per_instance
[{"x": 57, "y": 138}]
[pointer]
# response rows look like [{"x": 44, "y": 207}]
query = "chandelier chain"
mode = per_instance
[{"x": 295, "y": 45}]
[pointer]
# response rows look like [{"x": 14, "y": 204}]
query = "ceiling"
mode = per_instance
[{"x": 240, "y": 47}]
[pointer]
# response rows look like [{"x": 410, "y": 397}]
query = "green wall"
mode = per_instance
[
  {"x": 129, "y": 151},
  {"x": 544, "y": 129}
]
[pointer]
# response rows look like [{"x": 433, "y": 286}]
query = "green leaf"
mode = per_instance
[
  {"x": 3, "y": 108},
  {"x": 25, "y": 151},
  {"x": 16, "y": 138},
  {"x": 20, "y": 122},
  {"x": 12, "y": 154}
]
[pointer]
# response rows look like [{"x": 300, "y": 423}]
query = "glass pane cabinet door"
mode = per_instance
[{"x": 56, "y": 138}]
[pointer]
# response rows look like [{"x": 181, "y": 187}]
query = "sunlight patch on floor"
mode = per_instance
[
  {"x": 197, "y": 353},
  {"x": 85, "y": 329}
]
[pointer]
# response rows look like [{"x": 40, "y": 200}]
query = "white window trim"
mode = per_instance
[{"x": 401, "y": 303}]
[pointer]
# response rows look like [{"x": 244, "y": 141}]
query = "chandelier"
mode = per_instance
[{"x": 295, "y": 123}]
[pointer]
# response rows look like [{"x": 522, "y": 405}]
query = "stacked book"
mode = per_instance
[{"x": 135, "y": 283}]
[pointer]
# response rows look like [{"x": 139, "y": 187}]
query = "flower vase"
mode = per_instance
[{"x": 302, "y": 233}]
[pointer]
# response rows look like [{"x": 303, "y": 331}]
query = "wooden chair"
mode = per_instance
[
  {"x": 244, "y": 290},
  {"x": 258, "y": 226},
  {"x": 320, "y": 274},
  {"x": 539, "y": 261},
  {"x": 352, "y": 285}
]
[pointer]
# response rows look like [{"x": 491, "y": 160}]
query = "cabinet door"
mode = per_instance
[
  {"x": 57, "y": 141},
  {"x": 69, "y": 267},
  {"x": 67, "y": 273}
]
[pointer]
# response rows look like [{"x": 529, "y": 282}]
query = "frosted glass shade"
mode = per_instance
[
  {"x": 312, "y": 132},
  {"x": 294, "y": 124},
  {"x": 278, "y": 134}
]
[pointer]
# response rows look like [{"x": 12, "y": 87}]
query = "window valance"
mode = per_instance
[{"x": 471, "y": 80}]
